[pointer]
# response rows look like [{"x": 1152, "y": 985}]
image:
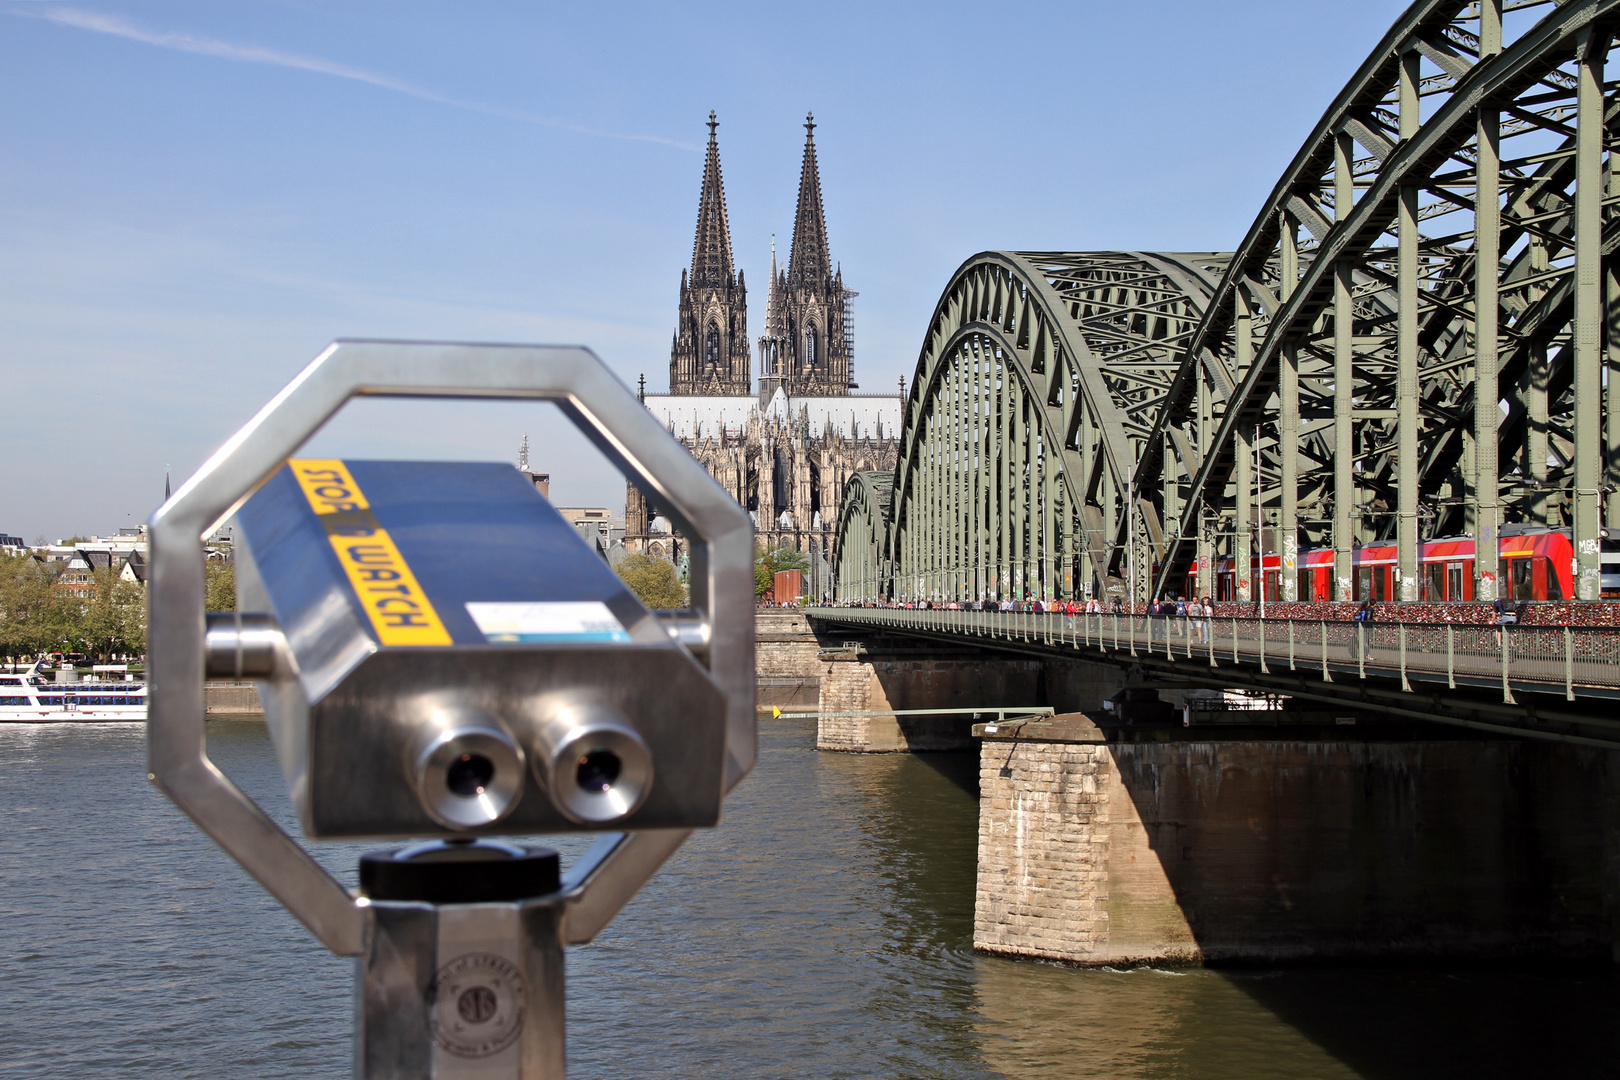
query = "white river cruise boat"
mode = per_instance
[{"x": 28, "y": 698}]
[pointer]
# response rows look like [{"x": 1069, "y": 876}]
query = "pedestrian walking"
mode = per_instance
[{"x": 1364, "y": 618}]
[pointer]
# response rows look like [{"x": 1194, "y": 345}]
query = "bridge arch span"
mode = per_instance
[
  {"x": 1440, "y": 240},
  {"x": 1446, "y": 236},
  {"x": 860, "y": 569},
  {"x": 1038, "y": 379}
]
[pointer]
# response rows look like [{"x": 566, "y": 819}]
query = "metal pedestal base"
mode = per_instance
[{"x": 461, "y": 991}]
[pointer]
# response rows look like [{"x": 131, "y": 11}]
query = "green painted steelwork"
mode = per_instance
[{"x": 1094, "y": 423}]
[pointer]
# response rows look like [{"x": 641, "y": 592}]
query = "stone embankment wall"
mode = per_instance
[
  {"x": 855, "y": 686},
  {"x": 787, "y": 661},
  {"x": 1099, "y": 851},
  {"x": 856, "y": 683},
  {"x": 235, "y": 697}
]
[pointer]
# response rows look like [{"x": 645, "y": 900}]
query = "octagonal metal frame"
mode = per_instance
[{"x": 722, "y": 593}]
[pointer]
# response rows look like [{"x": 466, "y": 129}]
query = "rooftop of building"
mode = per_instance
[{"x": 850, "y": 416}]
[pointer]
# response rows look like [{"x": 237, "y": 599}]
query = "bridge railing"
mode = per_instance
[{"x": 1543, "y": 658}]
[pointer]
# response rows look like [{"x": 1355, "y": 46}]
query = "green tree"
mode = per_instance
[
  {"x": 114, "y": 620},
  {"x": 653, "y": 581},
  {"x": 767, "y": 564},
  {"x": 33, "y": 615},
  {"x": 220, "y": 594}
]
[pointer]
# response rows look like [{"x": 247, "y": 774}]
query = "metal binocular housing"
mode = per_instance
[
  {"x": 440, "y": 656},
  {"x": 455, "y": 659}
]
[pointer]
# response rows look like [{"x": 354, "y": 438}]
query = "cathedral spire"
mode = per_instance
[
  {"x": 711, "y": 251},
  {"x": 710, "y": 352},
  {"x": 773, "y": 304},
  {"x": 808, "y": 261}
]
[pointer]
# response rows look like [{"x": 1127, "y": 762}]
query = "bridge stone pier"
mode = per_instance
[
  {"x": 866, "y": 675},
  {"x": 1174, "y": 812},
  {"x": 850, "y": 676},
  {"x": 1293, "y": 841}
]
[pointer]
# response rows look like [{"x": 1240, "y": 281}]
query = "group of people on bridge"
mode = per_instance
[{"x": 1180, "y": 607}]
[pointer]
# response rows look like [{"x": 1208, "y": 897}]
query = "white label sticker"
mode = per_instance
[{"x": 582, "y": 620}]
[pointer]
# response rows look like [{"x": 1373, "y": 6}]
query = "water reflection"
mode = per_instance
[
  {"x": 824, "y": 931},
  {"x": 1041, "y": 1020},
  {"x": 919, "y": 820}
]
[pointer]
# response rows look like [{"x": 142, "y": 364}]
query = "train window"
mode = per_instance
[
  {"x": 1454, "y": 581},
  {"x": 1364, "y": 583},
  {"x": 1517, "y": 578},
  {"x": 1433, "y": 578},
  {"x": 1555, "y": 590}
]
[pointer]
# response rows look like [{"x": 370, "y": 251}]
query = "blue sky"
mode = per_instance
[{"x": 195, "y": 198}]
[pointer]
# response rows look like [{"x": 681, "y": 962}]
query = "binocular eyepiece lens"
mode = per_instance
[
  {"x": 595, "y": 767},
  {"x": 598, "y": 770},
  {"x": 469, "y": 775},
  {"x": 468, "y": 769}
]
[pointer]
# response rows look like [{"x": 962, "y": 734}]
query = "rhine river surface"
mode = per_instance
[{"x": 823, "y": 931}]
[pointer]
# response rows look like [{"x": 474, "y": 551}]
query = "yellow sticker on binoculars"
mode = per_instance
[{"x": 399, "y": 610}]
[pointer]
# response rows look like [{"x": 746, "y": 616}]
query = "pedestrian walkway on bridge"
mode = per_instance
[{"x": 1575, "y": 663}]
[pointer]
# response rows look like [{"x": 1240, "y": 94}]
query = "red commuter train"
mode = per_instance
[{"x": 1533, "y": 563}]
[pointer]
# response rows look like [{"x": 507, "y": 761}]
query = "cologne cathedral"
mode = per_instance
[{"x": 785, "y": 452}]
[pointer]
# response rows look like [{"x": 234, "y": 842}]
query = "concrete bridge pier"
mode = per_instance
[{"x": 1381, "y": 840}]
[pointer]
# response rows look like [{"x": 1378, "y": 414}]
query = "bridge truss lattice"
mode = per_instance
[{"x": 1093, "y": 423}]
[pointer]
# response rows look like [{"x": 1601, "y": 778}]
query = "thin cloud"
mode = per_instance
[{"x": 80, "y": 19}]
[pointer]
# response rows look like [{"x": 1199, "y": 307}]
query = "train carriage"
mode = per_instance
[{"x": 1532, "y": 564}]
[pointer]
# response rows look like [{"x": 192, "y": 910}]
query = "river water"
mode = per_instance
[{"x": 823, "y": 931}]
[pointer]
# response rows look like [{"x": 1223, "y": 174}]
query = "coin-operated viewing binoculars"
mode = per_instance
[{"x": 442, "y": 659}]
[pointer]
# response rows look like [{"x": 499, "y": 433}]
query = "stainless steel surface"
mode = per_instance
[
  {"x": 469, "y": 769},
  {"x": 483, "y": 636},
  {"x": 721, "y": 582},
  {"x": 604, "y": 879},
  {"x": 461, "y": 992},
  {"x": 373, "y": 715},
  {"x": 242, "y": 646},
  {"x": 595, "y": 767},
  {"x": 689, "y": 629}
]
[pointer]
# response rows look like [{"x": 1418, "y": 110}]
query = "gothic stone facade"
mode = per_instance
[
  {"x": 786, "y": 460},
  {"x": 786, "y": 453}
]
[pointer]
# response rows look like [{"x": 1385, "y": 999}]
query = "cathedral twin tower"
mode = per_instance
[
  {"x": 786, "y": 454},
  {"x": 805, "y": 349}
]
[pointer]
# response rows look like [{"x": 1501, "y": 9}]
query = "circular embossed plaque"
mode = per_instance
[{"x": 477, "y": 1005}]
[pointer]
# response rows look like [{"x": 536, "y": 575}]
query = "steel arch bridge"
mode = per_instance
[{"x": 1102, "y": 423}]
